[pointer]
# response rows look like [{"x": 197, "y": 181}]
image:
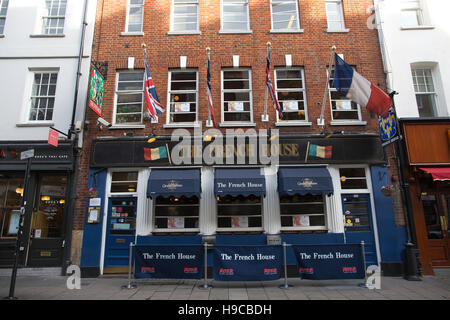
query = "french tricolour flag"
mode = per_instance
[{"x": 355, "y": 87}]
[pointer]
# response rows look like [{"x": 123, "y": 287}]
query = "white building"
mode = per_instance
[
  {"x": 415, "y": 37},
  {"x": 40, "y": 46},
  {"x": 42, "y": 38}
]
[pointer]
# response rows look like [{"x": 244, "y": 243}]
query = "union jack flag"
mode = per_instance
[
  {"x": 273, "y": 95},
  {"x": 154, "y": 106},
  {"x": 208, "y": 90}
]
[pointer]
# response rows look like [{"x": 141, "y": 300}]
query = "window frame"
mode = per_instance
[
  {"x": 303, "y": 90},
  {"x": 3, "y": 17},
  {"x": 325, "y": 214},
  {"x": 127, "y": 20},
  {"x": 331, "y": 89},
  {"x": 175, "y": 230},
  {"x": 341, "y": 16},
  {"x": 242, "y": 229},
  {"x": 172, "y": 17},
  {"x": 223, "y": 30},
  {"x": 418, "y": 10},
  {"x": 297, "y": 29},
  {"x": 432, "y": 94},
  {"x": 249, "y": 90},
  {"x": 45, "y": 30},
  {"x": 170, "y": 92},
  {"x": 123, "y": 193},
  {"x": 117, "y": 93},
  {"x": 50, "y": 72}
]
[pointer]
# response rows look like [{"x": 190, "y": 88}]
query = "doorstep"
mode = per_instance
[{"x": 32, "y": 272}]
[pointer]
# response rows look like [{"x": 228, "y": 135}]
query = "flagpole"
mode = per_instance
[
  {"x": 144, "y": 46},
  {"x": 265, "y": 116},
  {"x": 307, "y": 151},
  {"x": 208, "y": 56},
  {"x": 321, "y": 121}
]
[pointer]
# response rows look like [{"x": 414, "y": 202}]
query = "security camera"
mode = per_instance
[{"x": 101, "y": 121}]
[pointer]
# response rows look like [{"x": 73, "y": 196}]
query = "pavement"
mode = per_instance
[{"x": 54, "y": 287}]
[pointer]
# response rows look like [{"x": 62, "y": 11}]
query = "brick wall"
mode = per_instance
[{"x": 310, "y": 49}]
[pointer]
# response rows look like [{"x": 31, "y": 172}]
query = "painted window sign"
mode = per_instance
[{"x": 96, "y": 89}]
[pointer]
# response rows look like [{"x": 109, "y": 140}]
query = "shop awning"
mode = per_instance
[
  {"x": 236, "y": 182},
  {"x": 438, "y": 173},
  {"x": 304, "y": 181},
  {"x": 175, "y": 183}
]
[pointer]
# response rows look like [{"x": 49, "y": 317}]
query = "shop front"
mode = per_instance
[
  {"x": 428, "y": 148},
  {"x": 46, "y": 221},
  {"x": 304, "y": 199}
]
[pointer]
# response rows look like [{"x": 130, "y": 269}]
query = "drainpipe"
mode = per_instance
[{"x": 73, "y": 136}]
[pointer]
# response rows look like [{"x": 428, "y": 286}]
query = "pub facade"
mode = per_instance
[{"x": 253, "y": 178}]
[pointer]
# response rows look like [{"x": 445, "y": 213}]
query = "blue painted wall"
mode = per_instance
[
  {"x": 392, "y": 238},
  {"x": 92, "y": 234}
]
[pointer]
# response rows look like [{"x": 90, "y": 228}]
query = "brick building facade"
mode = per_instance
[{"x": 176, "y": 34}]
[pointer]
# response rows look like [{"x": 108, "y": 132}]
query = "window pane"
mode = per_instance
[
  {"x": 176, "y": 212},
  {"x": 302, "y": 212},
  {"x": 353, "y": 178},
  {"x": 47, "y": 221},
  {"x": 235, "y": 16},
  {"x": 426, "y": 104},
  {"x": 183, "y": 96},
  {"x": 124, "y": 181},
  {"x": 290, "y": 93},
  {"x": 284, "y": 15}
]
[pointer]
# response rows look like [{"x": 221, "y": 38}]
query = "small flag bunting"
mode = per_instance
[
  {"x": 151, "y": 154},
  {"x": 324, "y": 152}
]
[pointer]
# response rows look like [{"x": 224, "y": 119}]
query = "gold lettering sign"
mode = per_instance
[
  {"x": 46, "y": 254},
  {"x": 120, "y": 240}
]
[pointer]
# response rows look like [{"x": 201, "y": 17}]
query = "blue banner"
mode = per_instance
[
  {"x": 247, "y": 263},
  {"x": 169, "y": 262},
  {"x": 332, "y": 261}
]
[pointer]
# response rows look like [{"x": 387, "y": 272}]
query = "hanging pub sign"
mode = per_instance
[
  {"x": 169, "y": 262},
  {"x": 388, "y": 129},
  {"x": 96, "y": 88},
  {"x": 247, "y": 263},
  {"x": 331, "y": 261}
]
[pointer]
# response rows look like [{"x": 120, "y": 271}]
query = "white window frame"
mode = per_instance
[
  {"x": 129, "y": 193},
  {"x": 432, "y": 93},
  {"x": 342, "y": 121},
  {"x": 3, "y": 16},
  {"x": 116, "y": 94},
  {"x": 295, "y": 29},
  {"x": 341, "y": 16},
  {"x": 171, "y": 230},
  {"x": 223, "y": 91},
  {"x": 302, "y": 71},
  {"x": 172, "y": 17},
  {"x": 46, "y": 30},
  {"x": 309, "y": 228},
  {"x": 129, "y": 7},
  {"x": 170, "y": 91},
  {"x": 238, "y": 2},
  {"x": 249, "y": 229},
  {"x": 411, "y": 8},
  {"x": 31, "y": 97}
]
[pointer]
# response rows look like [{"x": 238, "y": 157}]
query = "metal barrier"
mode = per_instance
[
  {"x": 207, "y": 286},
  {"x": 130, "y": 286}
]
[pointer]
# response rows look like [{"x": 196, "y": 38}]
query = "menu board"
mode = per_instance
[{"x": 123, "y": 216}]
